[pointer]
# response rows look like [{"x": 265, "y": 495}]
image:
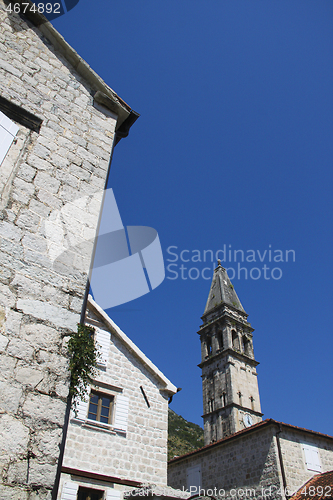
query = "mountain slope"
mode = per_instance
[{"x": 183, "y": 436}]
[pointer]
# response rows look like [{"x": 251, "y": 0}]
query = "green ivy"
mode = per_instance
[{"x": 83, "y": 361}]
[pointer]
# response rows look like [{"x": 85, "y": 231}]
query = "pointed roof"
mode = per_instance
[
  {"x": 222, "y": 291},
  {"x": 114, "y": 329}
]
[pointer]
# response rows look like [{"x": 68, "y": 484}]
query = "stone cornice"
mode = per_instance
[
  {"x": 111, "y": 100},
  {"x": 230, "y": 352},
  {"x": 225, "y": 315},
  {"x": 233, "y": 405}
]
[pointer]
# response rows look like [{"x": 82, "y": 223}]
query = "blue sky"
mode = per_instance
[{"x": 233, "y": 147}]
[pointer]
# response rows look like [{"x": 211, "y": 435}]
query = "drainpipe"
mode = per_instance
[{"x": 284, "y": 480}]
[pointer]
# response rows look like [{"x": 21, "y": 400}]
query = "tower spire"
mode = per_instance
[
  {"x": 229, "y": 379},
  {"x": 222, "y": 291}
]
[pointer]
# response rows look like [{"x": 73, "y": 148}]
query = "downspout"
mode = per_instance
[
  {"x": 284, "y": 480},
  {"x": 119, "y": 134}
]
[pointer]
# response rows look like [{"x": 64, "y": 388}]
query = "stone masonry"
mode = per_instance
[
  {"x": 229, "y": 378},
  {"x": 241, "y": 463},
  {"x": 139, "y": 452},
  {"x": 249, "y": 461},
  {"x": 61, "y": 167}
]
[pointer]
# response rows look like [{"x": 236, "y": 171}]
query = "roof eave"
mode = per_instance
[
  {"x": 167, "y": 386},
  {"x": 114, "y": 103}
]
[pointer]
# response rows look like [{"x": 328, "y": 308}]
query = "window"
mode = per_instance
[
  {"x": 209, "y": 346},
  {"x": 246, "y": 345},
  {"x": 220, "y": 340},
  {"x": 72, "y": 491},
  {"x": 8, "y": 131},
  {"x": 105, "y": 406},
  {"x": 89, "y": 494},
  {"x": 312, "y": 460},
  {"x": 102, "y": 338},
  {"x": 100, "y": 407},
  {"x": 193, "y": 478},
  {"x": 235, "y": 340}
]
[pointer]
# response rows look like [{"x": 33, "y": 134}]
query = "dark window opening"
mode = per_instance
[
  {"x": 235, "y": 340},
  {"x": 209, "y": 346},
  {"x": 210, "y": 405},
  {"x": 246, "y": 345},
  {"x": 89, "y": 494},
  {"x": 220, "y": 340}
]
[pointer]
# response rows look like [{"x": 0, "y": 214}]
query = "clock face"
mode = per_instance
[{"x": 247, "y": 419}]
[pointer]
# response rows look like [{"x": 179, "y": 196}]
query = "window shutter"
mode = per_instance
[
  {"x": 312, "y": 460},
  {"x": 69, "y": 491},
  {"x": 103, "y": 341},
  {"x": 82, "y": 409},
  {"x": 112, "y": 494},
  {"x": 8, "y": 131},
  {"x": 193, "y": 476},
  {"x": 120, "y": 421}
]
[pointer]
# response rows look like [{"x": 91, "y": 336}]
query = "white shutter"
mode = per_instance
[
  {"x": 103, "y": 345},
  {"x": 193, "y": 479},
  {"x": 82, "y": 409},
  {"x": 8, "y": 131},
  {"x": 312, "y": 460},
  {"x": 112, "y": 494},
  {"x": 120, "y": 421},
  {"x": 69, "y": 491}
]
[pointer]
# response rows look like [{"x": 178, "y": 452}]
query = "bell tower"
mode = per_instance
[{"x": 229, "y": 378}]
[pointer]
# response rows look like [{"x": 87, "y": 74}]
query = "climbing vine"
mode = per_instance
[{"x": 83, "y": 361}]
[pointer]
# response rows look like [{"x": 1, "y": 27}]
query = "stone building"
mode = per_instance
[
  {"x": 58, "y": 124},
  {"x": 118, "y": 439},
  {"x": 268, "y": 459},
  {"x": 243, "y": 456}
]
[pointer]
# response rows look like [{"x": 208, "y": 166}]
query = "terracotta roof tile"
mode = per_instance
[{"x": 319, "y": 487}]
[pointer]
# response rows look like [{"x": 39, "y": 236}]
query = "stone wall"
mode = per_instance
[
  {"x": 40, "y": 304},
  {"x": 140, "y": 453},
  {"x": 250, "y": 460},
  {"x": 246, "y": 462},
  {"x": 293, "y": 456}
]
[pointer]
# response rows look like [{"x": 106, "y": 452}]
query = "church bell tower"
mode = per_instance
[{"x": 229, "y": 378}]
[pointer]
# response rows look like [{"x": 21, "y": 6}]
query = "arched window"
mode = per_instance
[
  {"x": 235, "y": 340},
  {"x": 210, "y": 405},
  {"x": 220, "y": 340},
  {"x": 246, "y": 345},
  {"x": 209, "y": 346}
]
